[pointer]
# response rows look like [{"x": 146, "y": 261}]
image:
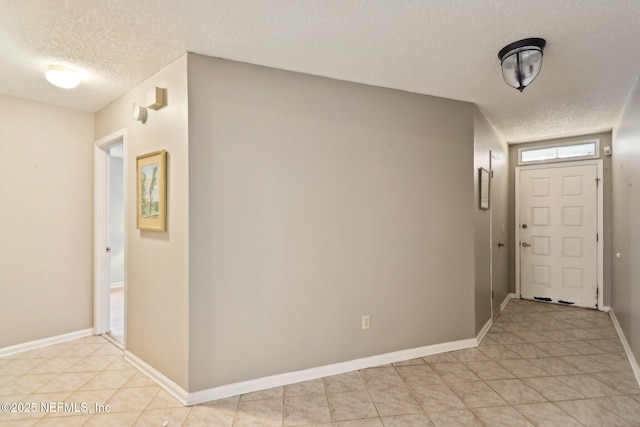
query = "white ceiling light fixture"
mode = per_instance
[
  {"x": 521, "y": 62},
  {"x": 62, "y": 77}
]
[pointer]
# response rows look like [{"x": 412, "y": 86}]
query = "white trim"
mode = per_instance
[
  {"x": 116, "y": 285},
  {"x": 33, "y": 345},
  {"x": 506, "y": 301},
  {"x": 627, "y": 349},
  {"x": 600, "y": 195},
  {"x": 172, "y": 388},
  {"x": 606, "y": 308},
  {"x": 287, "y": 378},
  {"x": 101, "y": 228},
  {"x": 561, "y": 135},
  {"x": 484, "y": 331}
]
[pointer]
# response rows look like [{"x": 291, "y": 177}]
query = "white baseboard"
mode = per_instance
[
  {"x": 506, "y": 301},
  {"x": 605, "y": 308},
  {"x": 484, "y": 331},
  {"x": 278, "y": 380},
  {"x": 32, "y": 345},
  {"x": 172, "y": 388},
  {"x": 627, "y": 349}
]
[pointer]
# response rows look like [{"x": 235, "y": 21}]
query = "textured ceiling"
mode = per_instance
[{"x": 445, "y": 48}]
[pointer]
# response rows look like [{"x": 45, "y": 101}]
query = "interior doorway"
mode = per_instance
[{"x": 110, "y": 237}]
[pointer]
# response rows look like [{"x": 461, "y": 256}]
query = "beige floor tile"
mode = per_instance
[
  {"x": 164, "y": 400},
  {"x": 351, "y": 405},
  {"x": 557, "y": 335},
  {"x": 502, "y": 416},
  {"x": 547, "y": 415},
  {"x": 272, "y": 393},
  {"x": 66, "y": 382},
  {"x": 418, "y": 361},
  {"x": 15, "y": 367},
  {"x": 381, "y": 378},
  {"x": 554, "y": 348},
  {"x": 531, "y": 336},
  {"x": 259, "y": 413},
  {"x": 308, "y": 409},
  {"x": 92, "y": 363},
  {"x": 527, "y": 351},
  {"x": 55, "y": 366},
  {"x": 553, "y": 389},
  {"x": 459, "y": 418},
  {"x": 622, "y": 381},
  {"x": 117, "y": 419},
  {"x": 132, "y": 399},
  {"x": 469, "y": 354},
  {"x": 18, "y": 423},
  {"x": 624, "y": 406},
  {"x": 110, "y": 379},
  {"x": 588, "y": 364},
  {"x": 139, "y": 380},
  {"x": 488, "y": 341},
  {"x": 72, "y": 421},
  {"x": 410, "y": 420},
  {"x": 119, "y": 363},
  {"x": 304, "y": 388},
  {"x": 418, "y": 375},
  {"x": 454, "y": 372},
  {"x": 515, "y": 391},
  {"x": 25, "y": 384},
  {"x": 522, "y": 368},
  {"x": 369, "y": 422},
  {"x": 160, "y": 417},
  {"x": 437, "y": 398},
  {"x": 591, "y": 414},
  {"x": 220, "y": 413},
  {"x": 555, "y": 366},
  {"x": 91, "y": 397},
  {"x": 499, "y": 352},
  {"x": 488, "y": 370},
  {"x": 350, "y": 381},
  {"x": 394, "y": 401},
  {"x": 588, "y": 386},
  {"x": 440, "y": 358},
  {"x": 583, "y": 347},
  {"x": 608, "y": 344},
  {"x": 477, "y": 394}
]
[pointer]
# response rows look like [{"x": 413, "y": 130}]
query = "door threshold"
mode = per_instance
[{"x": 113, "y": 340}]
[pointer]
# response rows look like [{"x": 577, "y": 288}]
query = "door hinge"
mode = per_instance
[
  {"x": 492, "y": 294},
  {"x": 491, "y": 174}
]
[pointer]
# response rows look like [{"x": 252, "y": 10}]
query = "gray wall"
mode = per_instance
[
  {"x": 46, "y": 221},
  {"x": 157, "y": 262},
  {"x": 315, "y": 201},
  {"x": 626, "y": 224},
  {"x": 486, "y": 141},
  {"x": 605, "y": 140}
]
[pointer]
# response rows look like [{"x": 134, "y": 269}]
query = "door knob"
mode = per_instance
[
  {"x": 525, "y": 245},
  {"x": 524, "y": 225},
  {"x": 108, "y": 249},
  {"x": 500, "y": 245}
]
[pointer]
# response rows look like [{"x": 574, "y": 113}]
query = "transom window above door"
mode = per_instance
[{"x": 578, "y": 150}]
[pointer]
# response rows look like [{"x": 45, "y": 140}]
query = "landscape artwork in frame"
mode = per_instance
[{"x": 152, "y": 185}]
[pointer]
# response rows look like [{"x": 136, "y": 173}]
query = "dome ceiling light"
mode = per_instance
[
  {"x": 62, "y": 77},
  {"x": 521, "y": 62}
]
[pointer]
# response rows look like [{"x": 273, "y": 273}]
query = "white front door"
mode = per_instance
[{"x": 558, "y": 234}]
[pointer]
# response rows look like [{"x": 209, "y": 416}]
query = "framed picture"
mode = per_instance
[
  {"x": 484, "y": 188},
  {"x": 152, "y": 190}
]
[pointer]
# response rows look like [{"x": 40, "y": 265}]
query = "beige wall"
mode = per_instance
[
  {"x": 605, "y": 140},
  {"x": 315, "y": 201},
  {"x": 626, "y": 220},
  {"x": 46, "y": 221},
  {"x": 157, "y": 263},
  {"x": 488, "y": 142}
]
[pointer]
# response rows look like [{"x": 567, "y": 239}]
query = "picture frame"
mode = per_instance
[
  {"x": 484, "y": 180},
  {"x": 151, "y": 171}
]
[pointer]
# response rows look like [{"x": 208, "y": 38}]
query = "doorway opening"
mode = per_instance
[{"x": 110, "y": 238}]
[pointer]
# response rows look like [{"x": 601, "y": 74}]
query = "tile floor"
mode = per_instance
[{"x": 539, "y": 365}]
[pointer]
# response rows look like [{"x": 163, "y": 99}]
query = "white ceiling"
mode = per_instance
[{"x": 444, "y": 48}]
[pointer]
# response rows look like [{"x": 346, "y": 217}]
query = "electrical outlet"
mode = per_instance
[{"x": 366, "y": 321}]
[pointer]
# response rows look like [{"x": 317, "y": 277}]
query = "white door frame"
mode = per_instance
[
  {"x": 101, "y": 285},
  {"x": 600, "y": 221}
]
